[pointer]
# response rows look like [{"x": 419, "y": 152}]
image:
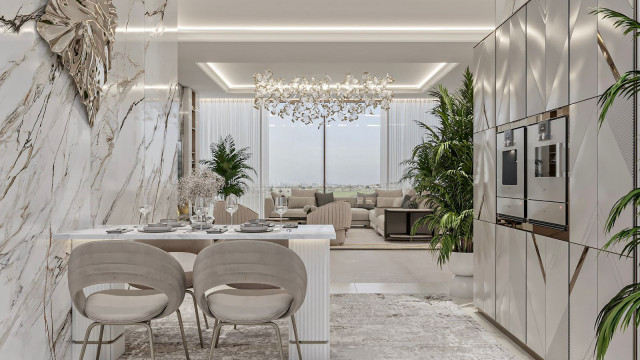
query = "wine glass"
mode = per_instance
[
  {"x": 201, "y": 211},
  {"x": 145, "y": 208},
  {"x": 281, "y": 206},
  {"x": 231, "y": 205}
]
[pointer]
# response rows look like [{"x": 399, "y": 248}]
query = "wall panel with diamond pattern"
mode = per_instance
[
  {"x": 484, "y": 84},
  {"x": 547, "y": 55},
  {"x": 616, "y": 50},
  {"x": 517, "y": 66},
  {"x": 583, "y": 46},
  {"x": 502, "y": 75}
]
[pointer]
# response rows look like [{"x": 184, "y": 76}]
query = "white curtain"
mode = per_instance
[
  {"x": 400, "y": 134},
  {"x": 218, "y": 118}
]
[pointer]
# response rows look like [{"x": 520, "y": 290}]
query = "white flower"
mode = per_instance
[{"x": 199, "y": 183}]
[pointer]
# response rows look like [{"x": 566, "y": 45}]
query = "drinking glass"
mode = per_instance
[
  {"x": 231, "y": 205},
  {"x": 281, "y": 206},
  {"x": 201, "y": 207},
  {"x": 145, "y": 208}
]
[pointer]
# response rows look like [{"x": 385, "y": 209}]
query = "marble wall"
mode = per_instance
[{"x": 57, "y": 173}]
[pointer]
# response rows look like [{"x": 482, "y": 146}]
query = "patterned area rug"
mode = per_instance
[{"x": 363, "y": 326}]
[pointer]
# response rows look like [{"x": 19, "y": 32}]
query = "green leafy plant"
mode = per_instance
[
  {"x": 231, "y": 164},
  {"x": 624, "y": 307},
  {"x": 441, "y": 168}
]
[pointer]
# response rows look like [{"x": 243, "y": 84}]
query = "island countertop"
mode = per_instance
[{"x": 100, "y": 233}]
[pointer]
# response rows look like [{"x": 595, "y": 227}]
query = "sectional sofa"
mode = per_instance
[{"x": 363, "y": 214}]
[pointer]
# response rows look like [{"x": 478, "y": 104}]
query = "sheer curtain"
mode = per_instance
[
  {"x": 218, "y": 118},
  {"x": 400, "y": 134}
]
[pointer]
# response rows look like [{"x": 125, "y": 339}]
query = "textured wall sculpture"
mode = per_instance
[{"x": 82, "y": 32}]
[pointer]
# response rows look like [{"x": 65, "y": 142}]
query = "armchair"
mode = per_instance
[{"x": 337, "y": 214}]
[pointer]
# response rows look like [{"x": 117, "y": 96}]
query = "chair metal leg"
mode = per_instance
[
  {"x": 86, "y": 339},
  {"x": 206, "y": 322},
  {"x": 148, "y": 326},
  {"x": 100, "y": 342},
  {"x": 195, "y": 306},
  {"x": 279, "y": 338},
  {"x": 184, "y": 339},
  {"x": 214, "y": 338},
  {"x": 295, "y": 334}
]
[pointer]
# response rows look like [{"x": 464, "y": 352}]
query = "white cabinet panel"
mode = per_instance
[
  {"x": 484, "y": 239},
  {"x": 518, "y": 284},
  {"x": 502, "y": 74},
  {"x": 536, "y": 297},
  {"x": 503, "y": 238},
  {"x": 583, "y": 30},
  {"x": 484, "y": 84},
  {"x": 613, "y": 274},
  {"x": 484, "y": 175},
  {"x": 517, "y": 66},
  {"x": 557, "y": 299},
  {"x": 583, "y": 297}
]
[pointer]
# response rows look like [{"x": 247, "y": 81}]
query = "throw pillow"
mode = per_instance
[
  {"x": 303, "y": 193},
  {"x": 295, "y": 202},
  {"x": 389, "y": 193},
  {"x": 324, "y": 199},
  {"x": 366, "y": 201},
  {"x": 405, "y": 200}
]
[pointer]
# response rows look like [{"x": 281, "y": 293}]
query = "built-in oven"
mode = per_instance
[
  {"x": 510, "y": 175},
  {"x": 547, "y": 173}
]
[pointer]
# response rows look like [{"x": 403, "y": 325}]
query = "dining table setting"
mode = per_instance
[{"x": 309, "y": 242}]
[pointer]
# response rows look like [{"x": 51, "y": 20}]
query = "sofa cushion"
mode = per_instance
[
  {"x": 405, "y": 200},
  {"x": 324, "y": 199},
  {"x": 291, "y": 213},
  {"x": 303, "y": 193},
  {"x": 372, "y": 217},
  {"x": 359, "y": 214},
  {"x": 389, "y": 193},
  {"x": 366, "y": 201},
  {"x": 380, "y": 222},
  {"x": 388, "y": 202},
  {"x": 350, "y": 199},
  {"x": 295, "y": 202}
]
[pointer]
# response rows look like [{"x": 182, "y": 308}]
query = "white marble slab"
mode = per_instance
[{"x": 99, "y": 233}]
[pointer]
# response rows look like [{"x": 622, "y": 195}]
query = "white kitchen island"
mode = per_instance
[{"x": 310, "y": 242}]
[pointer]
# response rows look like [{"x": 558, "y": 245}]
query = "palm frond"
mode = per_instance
[
  {"x": 620, "y": 20},
  {"x": 626, "y": 86},
  {"x": 617, "y": 315}
]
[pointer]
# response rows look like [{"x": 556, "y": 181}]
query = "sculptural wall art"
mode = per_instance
[{"x": 82, "y": 32}]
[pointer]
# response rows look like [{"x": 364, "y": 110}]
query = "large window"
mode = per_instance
[{"x": 343, "y": 158}]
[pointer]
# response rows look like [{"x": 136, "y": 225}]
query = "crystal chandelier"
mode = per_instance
[{"x": 308, "y": 100}]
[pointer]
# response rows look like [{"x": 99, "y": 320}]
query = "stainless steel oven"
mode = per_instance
[
  {"x": 511, "y": 174},
  {"x": 547, "y": 173}
]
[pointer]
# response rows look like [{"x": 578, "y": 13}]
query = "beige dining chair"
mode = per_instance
[
  {"x": 337, "y": 214},
  {"x": 123, "y": 262},
  {"x": 252, "y": 262},
  {"x": 185, "y": 251},
  {"x": 242, "y": 215}
]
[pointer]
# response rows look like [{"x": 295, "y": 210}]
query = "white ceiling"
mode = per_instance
[{"x": 417, "y": 42}]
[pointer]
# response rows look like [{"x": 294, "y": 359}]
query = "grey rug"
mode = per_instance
[{"x": 363, "y": 326}]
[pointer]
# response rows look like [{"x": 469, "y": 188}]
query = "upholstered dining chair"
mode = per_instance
[
  {"x": 122, "y": 262},
  {"x": 222, "y": 217},
  {"x": 337, "y": 214},
  {"x": 253, "y": 262},
  {"x": 185, "y": 252}
]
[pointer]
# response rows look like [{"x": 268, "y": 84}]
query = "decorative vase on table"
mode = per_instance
[{"x": 461, "y": 265}]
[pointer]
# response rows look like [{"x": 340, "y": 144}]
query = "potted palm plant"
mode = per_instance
[
  {"x": 441, "y": 168},
  {"x": 232, "y": 164},
  {"x": 624, "y": 307}
]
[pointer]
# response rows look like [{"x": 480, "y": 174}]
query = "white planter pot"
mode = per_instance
[{"x": 461, "y": 265}]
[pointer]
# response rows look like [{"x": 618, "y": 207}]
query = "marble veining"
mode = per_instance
[{"x": 59, "y": 174}]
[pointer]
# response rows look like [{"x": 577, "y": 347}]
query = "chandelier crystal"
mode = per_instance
[{"x": 308, "y": 100}]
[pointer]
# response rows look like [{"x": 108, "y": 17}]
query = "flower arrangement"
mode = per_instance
[{"x": 199, "y": 184}]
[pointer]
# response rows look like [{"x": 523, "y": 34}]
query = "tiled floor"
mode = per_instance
[{"x": 402, "y": 271}]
